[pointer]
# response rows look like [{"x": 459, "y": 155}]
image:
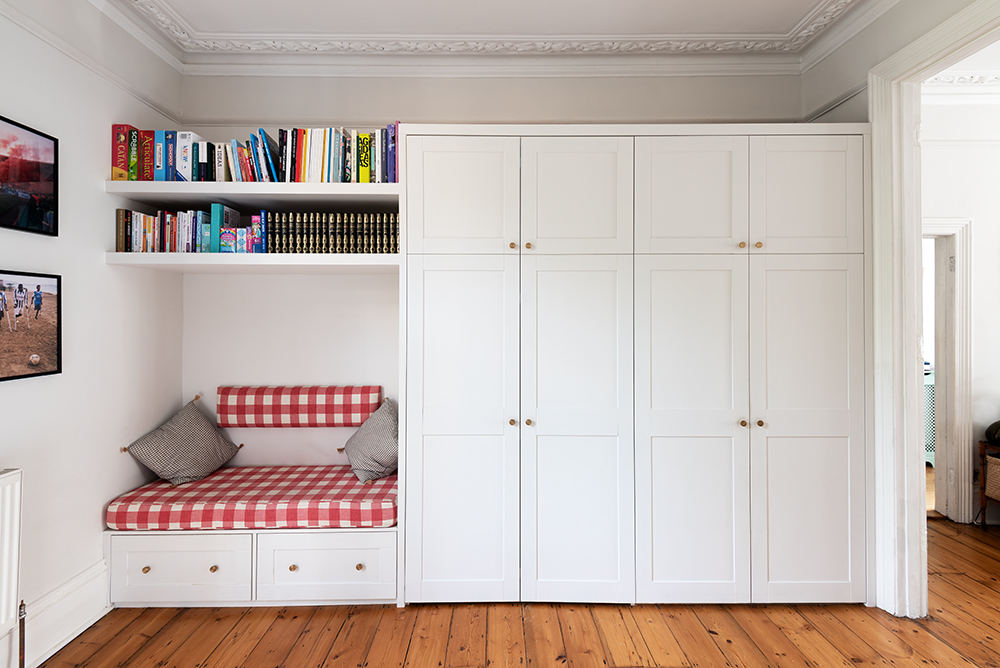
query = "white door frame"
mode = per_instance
[
  {"x": 954, "y": 453},
  {"x": 899, "y": 568}
]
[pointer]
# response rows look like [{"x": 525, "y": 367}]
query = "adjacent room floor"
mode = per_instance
[{"x": 964, "y": 619}]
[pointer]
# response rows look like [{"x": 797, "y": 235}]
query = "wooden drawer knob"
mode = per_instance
[
  {"x": 760, "y": 423},
  {"x": 528, "y": 422},
  {"x": 212, "y": 569},
  {"x": 513, "y": 245},
  {"x": 759, "y": 244},
  {"x": 743, "y": 244},
  {"x": 293, "y": 568},
  {"x": 360, "y": 567},
  {"x": 145, "y": 569},
  {"x": 527, "y": 245},
  {"x": 513, "y": 422}
]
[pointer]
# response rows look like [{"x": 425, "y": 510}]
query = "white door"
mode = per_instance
[
  {"x": 807, "y": 448},
  {"x": 577, "y": 479},
  {"x": 462, "y": 194},
  {"x": 807, "y": 194},
  {"x": 462, "y": 428},
  {"x": 692, "y": 194},
  {"x": 576, "y": 195},
  {"x": 692, "y": 438}
]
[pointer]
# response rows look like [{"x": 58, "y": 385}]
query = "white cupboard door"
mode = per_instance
[
  {"x": 462, "y": 450},
  {"x": 807, "y": 194},
  {"x": 692, "y": 194},
  {"x": 807, "y": 448},
  {"x": 692, "y": 429},
  {"x": 577, "y": 478},
  {"x": 462, "y": 194},
  {"x": 576, "y": 195}
]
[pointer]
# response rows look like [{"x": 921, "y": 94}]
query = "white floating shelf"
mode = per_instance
[
  {"x": 258, "y": 263},
  {"x": 247, "y": 196}
]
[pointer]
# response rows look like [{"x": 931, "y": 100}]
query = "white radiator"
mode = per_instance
[{"x": 10, "y": 546}]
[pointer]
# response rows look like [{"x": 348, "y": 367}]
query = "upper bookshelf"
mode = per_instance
[
  {"x": 243, "y": 195},
  {"x": 259, "y": 263}
]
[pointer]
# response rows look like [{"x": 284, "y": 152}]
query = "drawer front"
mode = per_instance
[
  {"x": 183, "y": 568},
  {"x": 336, "y": 566}
]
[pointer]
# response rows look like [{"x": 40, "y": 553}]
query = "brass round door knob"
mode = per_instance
[
  {"x": 527, "y": 245},
  {"x": 759, "y": 244},
  {"x": 145, "y": 569},
  {"x": 360, "y": 567},
  {"x": 743, "y": 423},
  {"x": 293, "y": 568},
  {"x": 213, "y": 569},
  {"x": 760, "y": 423},
  {"x": 743, "y": 244},
  {"x": 513, "y": 245},
  {"x": 513, "y": 422},
  {"x": 528, "y": 422}
]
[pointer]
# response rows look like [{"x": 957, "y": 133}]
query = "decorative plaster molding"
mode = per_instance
[
  {"x": 192, "y": 42},
  {"x": 963, "y": 79}
]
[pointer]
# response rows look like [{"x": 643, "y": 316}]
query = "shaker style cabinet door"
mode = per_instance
[
  {"x": 692, "y": 434},
  {"x": 691, "y": 195},
  {"x": 807, "y": 194},
  {"x": 462, "y": 450},
  {"x": 462, "y": 194},
  {"x": 807, "y": 447},
  {"x": 576, "y": 195},
  {"x": 577, "y": 478}
]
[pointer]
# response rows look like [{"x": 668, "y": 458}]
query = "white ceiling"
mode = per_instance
[{"x": 258, "y": 31}]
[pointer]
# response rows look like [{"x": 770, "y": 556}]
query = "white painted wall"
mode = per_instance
[
  {"x": 960, "y": 171},
  {"x": 289, "y": 330},
  {"x": 121, "y": 345}
]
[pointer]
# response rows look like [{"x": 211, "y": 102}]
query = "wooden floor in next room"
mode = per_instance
[{"x": 962, "y": 629}]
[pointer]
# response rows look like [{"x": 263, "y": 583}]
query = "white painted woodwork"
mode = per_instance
[
  {"x": 692, "y": 194},
  {"x": 692, "y": 454},
  {"x": 180, "y": 567},
  {"x": 807, "y": 194},
  {"x": 577, "y": 500},
  {"x": 311, "y": 566},
  {"x": 462, "y": 454},
  {"x": 576, "y": 195},
  {"x": 462, "y": 194},
  {"x": 808, "y": 456}
]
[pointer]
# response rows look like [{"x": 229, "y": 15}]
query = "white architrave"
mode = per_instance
[
  {"x": 956, "y": 373},
  {"x": 900, "y": 565}
]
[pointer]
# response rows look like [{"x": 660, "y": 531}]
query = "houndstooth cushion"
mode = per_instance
[
  {"x": 373, "y": 450},
  {"x": 185, "y": 448}
]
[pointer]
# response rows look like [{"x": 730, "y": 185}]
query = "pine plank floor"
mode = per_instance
[{"x": 962, "y": 629}]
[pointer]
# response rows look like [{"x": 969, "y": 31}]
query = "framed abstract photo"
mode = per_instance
[
  {"x": 30, "y": 324},
  {"x": 29, "y": 188}
]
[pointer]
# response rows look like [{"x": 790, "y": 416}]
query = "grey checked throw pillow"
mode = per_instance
[
  {"x": 373, "y": 450},
  {"x": 185, "y": 448}
]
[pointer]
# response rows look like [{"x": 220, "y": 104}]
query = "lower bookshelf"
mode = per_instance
[{"x": 263, "y": 263}]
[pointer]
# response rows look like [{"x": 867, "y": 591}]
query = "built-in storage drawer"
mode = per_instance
[
  {"x": 184, "y": 568},
  {"x": 299, "y": 566}
]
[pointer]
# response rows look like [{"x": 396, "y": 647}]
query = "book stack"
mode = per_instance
[
  {"x": 298, "y": 155},
  {"x": 224, "y": 230}
]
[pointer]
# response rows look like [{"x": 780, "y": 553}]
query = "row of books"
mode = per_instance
[
  {"x": 299, "y": 155},
  {"x": 224, "y": 230}
]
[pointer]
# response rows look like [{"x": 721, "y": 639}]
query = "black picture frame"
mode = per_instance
[
  {"x": 29, "y": 179},
  {"x": 30, "y": 342}
]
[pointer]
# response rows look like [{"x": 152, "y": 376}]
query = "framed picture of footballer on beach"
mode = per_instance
[
  {"x": 29, "y": 188},
  {"x": 30, "y": 329}
]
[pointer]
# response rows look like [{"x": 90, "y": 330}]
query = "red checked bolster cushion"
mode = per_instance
[{"x": 297, "y": 406}]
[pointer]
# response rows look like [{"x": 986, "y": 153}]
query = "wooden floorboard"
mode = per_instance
[{"x": 962, "y": 630}]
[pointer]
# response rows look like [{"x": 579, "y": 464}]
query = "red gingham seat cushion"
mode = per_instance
[
  {"x": 297, "y": 406},
  {"x": 259, "y": 497}
]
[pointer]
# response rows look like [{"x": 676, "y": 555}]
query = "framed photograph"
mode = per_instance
[
  {"x": 30, "y": 329},
  {"x": 29, "y": 188}
]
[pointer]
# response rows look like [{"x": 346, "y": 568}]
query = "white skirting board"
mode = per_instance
[
  {"x": 8, "y": 649},
  {"x": 61, "y": 615}
]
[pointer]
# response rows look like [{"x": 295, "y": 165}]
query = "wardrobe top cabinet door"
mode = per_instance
[
  {"x": 807, "y": 194},
  {"x": 691, "y": 194},
  {"x": 462, "y": 194},
  {"x": 576, "y": 195}
]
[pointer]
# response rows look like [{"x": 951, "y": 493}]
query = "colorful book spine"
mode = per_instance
[
  {"x": 159, "y": 155},
  {"x": 170, "y": 152},
  {"x": 206, "y": 232},
  {"x": 119, "y": 151},
  {"x": 121, "y": 218},
  {"x": 256, "y": 235},
  {"x": 227, "y": 240},
  {"x": 270, "y": 149},
  {"x": 185, "y": 155},
  {"x": 391, "y": 129},
  {"x": 133, "y": 155},
  {"x": 147, "y": 142}
]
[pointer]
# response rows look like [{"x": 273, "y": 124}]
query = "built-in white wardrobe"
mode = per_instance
[{"x": 635, "y": 364}]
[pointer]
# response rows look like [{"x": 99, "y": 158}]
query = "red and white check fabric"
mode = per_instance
[
  {"x": 259, "y": 497},
  {"x": 297, "y": 406}
]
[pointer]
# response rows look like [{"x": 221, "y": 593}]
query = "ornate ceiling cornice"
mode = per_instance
[
  {"x": 193, "y": 42},
  {"x": 965, "y": 79}
]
